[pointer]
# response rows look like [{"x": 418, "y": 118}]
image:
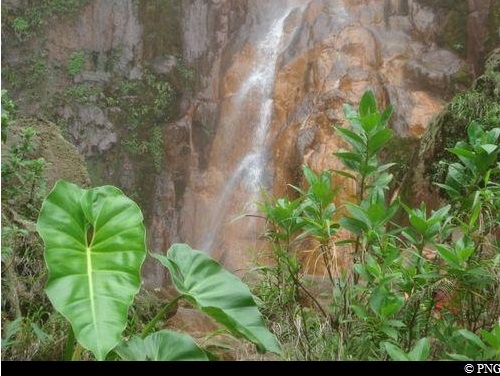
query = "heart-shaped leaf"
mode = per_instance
[
  {"x": 94, "y": 248},
  {"x": 218, "y": 293},
  {"x": 161, "y": 345}
]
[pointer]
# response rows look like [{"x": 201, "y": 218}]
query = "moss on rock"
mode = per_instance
[
  {"x": 62, "y": 159},
  {"x": 481, "y": 103}
]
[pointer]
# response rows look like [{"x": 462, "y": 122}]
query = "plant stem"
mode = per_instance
[
  {"x": 326, "y": 260},
  {"x": 69, "y": 348},
  {"x": 77, "y": 353},
  {"x": 159, "y": 315},
  {"x": 298, "y": 283}
]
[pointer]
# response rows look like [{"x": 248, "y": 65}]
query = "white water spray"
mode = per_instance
[{"x": 258, "y": 87}]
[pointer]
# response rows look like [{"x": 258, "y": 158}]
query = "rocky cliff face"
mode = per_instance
[
  {"x": 191, "y": 106},
  {"x": 331, "y": 51}
]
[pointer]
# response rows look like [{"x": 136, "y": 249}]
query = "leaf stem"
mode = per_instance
[
  {"x": 69, "y": 348},
  {"x": 77, "y": 353},
  {"x": 167, "y": 308}
]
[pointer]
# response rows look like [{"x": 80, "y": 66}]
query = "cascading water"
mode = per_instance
[{"x": 253, "y": 100}]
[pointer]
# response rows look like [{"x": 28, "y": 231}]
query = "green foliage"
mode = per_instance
[
  {"x": 20, "y": 27},
  {"x": 83, "y": 93},
  {"x": 76, "y": 63},
  {"x": 10, "y": 77},
  {"x": 147, "y": 105},
  {"x": 7, "y": 111},
  {"x": 425, "y": 291},
  {"x": 477, "y": 164},
  {"x": 419, "y": 352},
  {"x": 156, "y": 145},
  {"x": 218, "y": 293},
  {"x": 31, "y": 330},
  {"x": 153, "y": 147},
  {"x": 26, "y": 19},
  {"x": 22, "y": 174},
  {"x": 187, "y": 74},
  {"x": 163, "y": 345},
  {"x": 94, "y": 248},
  {"x": 486, "y": 346},
  {"x": 479, "y": 104},
  {"x": 37, "y": 73},
  {"x": 367, "y": 136}
]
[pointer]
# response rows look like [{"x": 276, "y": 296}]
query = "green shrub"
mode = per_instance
[{"x": 424, "y": 291}]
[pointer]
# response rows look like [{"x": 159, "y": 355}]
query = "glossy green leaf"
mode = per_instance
[
  {"x": 489, "y": 148},
  {"x": 493, "y": 337},
  {"x": 353, "y": 138},
  {"x": 218, "y": 293},
  {"x": 472, "y": 338},
  {"x": 368, "y": 104},
  {"x": 448, "y": 255},
  {"x": 370, "y": 122},
  {"x": 358, "y": 213},
  {"x": 378, "y": 214},
  {"x": 395, "y": 352},
  {"x": 162, "y": 345},
  {"x": 392, "y": 305},
  {"x": 345, "y": 174},
  {"x": 460, "y": 152},
  {"x": 390, "y": 332},
  {"x": 421, "y": 350},
  {"x": 474, "y": 131},
  {"x": 386, "y": 115},
  {"x": 356, "y": 158},
  {"x": 353, "y": 225},
  {"x": 378, "y": 140},
  {"x": 360, "y": 312},
  {"x": 459, "y": 357},
  {"x": 94, "y": 248},
  {"x": 418, "y": 224}
]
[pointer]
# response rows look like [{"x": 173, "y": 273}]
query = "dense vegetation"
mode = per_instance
[{"x": 428, "y": 290}]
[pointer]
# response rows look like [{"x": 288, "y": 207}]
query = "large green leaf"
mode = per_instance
[
  {"x": 218, "y": 293},
  {"x": 94, "y": 248},
  {"x": 161, "y": 345},
  {"x": 421, "y": 350}
]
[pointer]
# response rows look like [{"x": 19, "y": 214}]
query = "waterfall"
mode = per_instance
[{"x": 254, "y": 94}]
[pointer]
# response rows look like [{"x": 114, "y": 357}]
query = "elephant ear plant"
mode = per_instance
[{"x": 94, "y": 249}]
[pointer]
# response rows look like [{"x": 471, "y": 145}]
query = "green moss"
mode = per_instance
[
  {"x": 82, "y": 93},
  {"x": 146, "y": 106},
  {"x": 11, "y": 78},
  {"x": 167, "y": 38},
  {"x": 24, "y": 20},
  {"x": 36, "y": 74},
  {"x": 76, "y": 63},
  {"x": 463, "y": 78},
  {"x": 494, "y": 25},
  {"x": 186, "y": 73},
  {"x": 453, "y": 34}
]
